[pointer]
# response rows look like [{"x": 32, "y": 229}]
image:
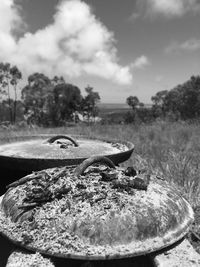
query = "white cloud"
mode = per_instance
[
  {"x": 189, "y": 45},
  {"x": 166, "y": 8},
  {"x": 140, "y": 62},
  {"x": 75, "y": 44},
  {"x": 159, "y": 78}
]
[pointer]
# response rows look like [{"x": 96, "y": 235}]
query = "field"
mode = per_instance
[{"x": 170, "y": 150}]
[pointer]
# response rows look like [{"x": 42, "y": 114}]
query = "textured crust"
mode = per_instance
[
  {"x": 40, "y": 148},
  {"x": 43, "y": 155},
  {"x": 95, "y": 219}
]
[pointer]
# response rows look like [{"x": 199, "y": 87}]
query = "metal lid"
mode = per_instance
[
  {"x": 44, "y": 151},
  {"x": 94, "y": 212}
]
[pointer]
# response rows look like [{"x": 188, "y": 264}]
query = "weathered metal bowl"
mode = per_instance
[
  {"x": 21, "y": 155},
  {"x": 94, "y": 212}
]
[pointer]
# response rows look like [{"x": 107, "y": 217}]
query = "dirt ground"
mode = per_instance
[{"x": 194, "y": 234}]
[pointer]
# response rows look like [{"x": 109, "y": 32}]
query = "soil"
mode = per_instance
[{"x": 194, "y": 234}]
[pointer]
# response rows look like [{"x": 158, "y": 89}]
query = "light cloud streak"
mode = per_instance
[
  {"x": 140, "y": 62},
  {"x": 165, "y": 8},
  {"x": 75, "y": 44},
  {"x": 189, "y": 45}
]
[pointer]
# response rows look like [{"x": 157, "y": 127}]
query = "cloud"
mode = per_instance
[
  {"x": 140, "y": 62},
  {"x": 75, "y": 44},
  {"x": 189, "y": 45},
  {"x": 159, "y": 78},
  {"x": 165, "y": 8}
]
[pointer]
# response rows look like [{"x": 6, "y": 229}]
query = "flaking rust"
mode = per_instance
[{"x": 94, "y": 213}]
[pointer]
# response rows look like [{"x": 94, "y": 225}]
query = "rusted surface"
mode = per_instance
[
  {"x": 51, "y": 140},
  {"x": 95, "y": 219},
  {"x": 31, "y": 153}
]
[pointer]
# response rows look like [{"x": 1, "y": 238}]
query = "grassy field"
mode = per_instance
[{"x": 171, "y": 150}]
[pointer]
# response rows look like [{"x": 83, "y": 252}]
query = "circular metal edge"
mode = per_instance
[
  {"x": 43, "y": 163},
  {"x": 169, "y": 239}
]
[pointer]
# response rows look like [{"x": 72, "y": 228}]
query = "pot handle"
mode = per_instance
[
  {"x": 88, "y": 162},
  {"x": 54, "y": 138}
]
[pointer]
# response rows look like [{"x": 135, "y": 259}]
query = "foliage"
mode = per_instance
[
  {"x": 140, "y": 115},
  {"x": 89, "y": 103},
  {"x": 49, "y": 102},
  {"x": 66, "y": 99},
  {"x": 36, "y": 96},
  {"x": 139, "y": 112},
  {"x": 5, "y": 111},
  {"x": 158, "y": 103},
  {"x": 9, "y": 79},
  {"x": 183, "y": 100},
  {"x": 133, "y": 102}
]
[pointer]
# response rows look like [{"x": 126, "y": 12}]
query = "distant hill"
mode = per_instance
[
  {"x": 112, "y": 106},
  {"x": 116, "y": 107},
  {"x": 114, "y": 112}
]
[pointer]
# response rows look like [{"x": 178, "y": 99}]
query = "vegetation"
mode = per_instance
[
  {"x": 53, "y": 102},
  {"x": 89, "y": 103},
  {"x": 43, "y": 101},
  {"x": 179, "y": 103},
  {"x": 9, "y": 79}
]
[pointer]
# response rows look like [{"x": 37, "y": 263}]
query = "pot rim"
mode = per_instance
[
  {"x": 129, "y": 145},
  {"x": 157, "y": 244}
]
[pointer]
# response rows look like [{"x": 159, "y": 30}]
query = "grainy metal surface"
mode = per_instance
[
  {"x": 29, "y": 153},
  {"x": 126, "y": 223}
]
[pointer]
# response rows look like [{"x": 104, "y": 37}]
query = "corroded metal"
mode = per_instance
[
  {"x": 57, "y": 137},
  {"x": 95, "y": 219},
  {"x": 33, "y": 153},
  {"x": 86, "y": 163}
]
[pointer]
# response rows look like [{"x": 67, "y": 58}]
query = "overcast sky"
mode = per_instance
[{"x": 121, "y": 48}]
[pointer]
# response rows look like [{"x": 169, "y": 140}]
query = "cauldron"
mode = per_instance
[
  {"x": 22, "y": 155},
  {"x": 94, "y": 212}
]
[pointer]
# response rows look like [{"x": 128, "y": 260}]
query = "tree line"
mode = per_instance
[
  {"x": 180, "y": 103},
  {"x": 43, "y": 101},
  {"x": 48, "y": 101}
]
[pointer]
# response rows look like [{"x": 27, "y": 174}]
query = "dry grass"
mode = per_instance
[{"x": 171, "y": 150}]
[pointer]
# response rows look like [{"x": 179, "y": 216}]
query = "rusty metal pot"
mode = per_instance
[
  {"x": 94, "y": 212},
  {"x": 22, "y": 155}
]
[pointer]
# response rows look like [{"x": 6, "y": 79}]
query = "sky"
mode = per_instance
[{"x": 120, "y": 48}]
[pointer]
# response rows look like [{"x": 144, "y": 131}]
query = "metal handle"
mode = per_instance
[
  {"x": 88, "y": 162},
  {"x": 54, "y": 138}
]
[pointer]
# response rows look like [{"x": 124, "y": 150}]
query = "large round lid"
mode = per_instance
[
  {"x": 44, "y": 151},
  {"x": 94, "y": 212}
]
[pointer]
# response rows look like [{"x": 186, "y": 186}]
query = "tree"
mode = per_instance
[
  {"x": 183, "y": 101},
  {"x": 36, "y": 96},
  {"x": 133, "y": 102},
  {"x": 139, "y": 112},
  {"x": 159, "y": 98},
  {"x": 89, "y": 103},
  {"x": 66, "y": 100},
  {"x": 9, "y": 80},
  {"x": 158, "y": 103},
  {"x": 49, "y": 101}
]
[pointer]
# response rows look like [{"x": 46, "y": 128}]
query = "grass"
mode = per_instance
[{"x": 171, "y": 150}]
